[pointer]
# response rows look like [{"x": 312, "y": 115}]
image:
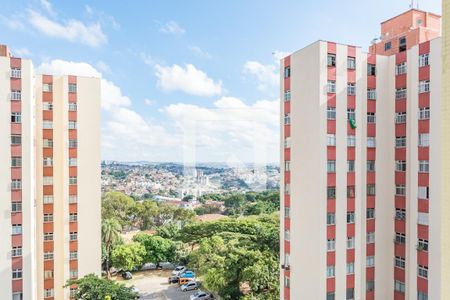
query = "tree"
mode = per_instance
[
  {"x": 111, "y": 230},
  {"x": 128, "y": 256},
  {"x": 93, "y": 287},
  {"x": 235, "y": 204},
  {"x": 169, "y": 231},
  {"x": 187, "y": 198},
  {"x": 119, "y": 206},
  {"x": 146, "y": 211},
  {"x": 157, "y": 249}
]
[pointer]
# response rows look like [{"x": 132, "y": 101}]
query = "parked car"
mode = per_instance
[
  {"x": 187, "y": 274},
  {"x": 127, "y": 275},
  {"x": 191, "y": 285},
  {"x": 201, "y": 296},
  {"x": 174, "y": 279},
  {"x": 178, "y": 270},
  {"x": 182, "y": 281}
]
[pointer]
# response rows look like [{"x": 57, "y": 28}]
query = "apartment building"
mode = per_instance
[
  {"x": 361, "y": 166},
  {"x": 51, "y": 135}
]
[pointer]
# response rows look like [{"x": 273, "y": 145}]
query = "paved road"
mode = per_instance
[{"x": 153, "y": 286}]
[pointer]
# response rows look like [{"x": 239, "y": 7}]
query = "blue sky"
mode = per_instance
[{"x": 186, "y": 80}]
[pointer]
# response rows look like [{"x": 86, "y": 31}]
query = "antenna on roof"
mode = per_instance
[{"x": 412, "y": 4}]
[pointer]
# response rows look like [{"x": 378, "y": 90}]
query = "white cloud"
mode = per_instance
[
  {"x": 147, "y": 59},
  {"x": 199, "y": 52},
  {"x": 266, "y": 75},
  {"x": 189, "y": 80},
  {"x": 13, "y": 22},
  {"x": 103, "y": 17},
  {"x": 171, "y": 27},
  {"x": 71, "y": 30},
  {"x": 149, "y": 102},
  {"x": 22, "y": 52},
  {"x": 47, "y": 7},
  {"x": 104, "y": 67}
]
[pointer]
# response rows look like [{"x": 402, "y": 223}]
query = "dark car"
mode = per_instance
[
  {"x": 174, "y": 279},
  {"x": 127, "y": 275}
]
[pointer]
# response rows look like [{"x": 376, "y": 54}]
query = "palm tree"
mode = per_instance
[{"x": 111, "y": 230}]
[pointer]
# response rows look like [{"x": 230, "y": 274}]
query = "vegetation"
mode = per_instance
[
  {"x": 128, "y": 256},
  {"x": 111, "y": 230},
  {"x": 94, "y": 288},
  {"x": 157, "y": 249}
]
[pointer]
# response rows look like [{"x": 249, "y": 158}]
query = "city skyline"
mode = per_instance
[{"x": 151, "y": 89}]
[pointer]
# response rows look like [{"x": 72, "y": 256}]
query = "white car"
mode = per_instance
[
  {"x": 178, "y": 270},
  {"x": 201, "y": 296},
  {"x": 189, "y": 286}
]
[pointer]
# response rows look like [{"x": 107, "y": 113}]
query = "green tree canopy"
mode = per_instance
[
  {"x": 128, "y": 256},
  {"x": 158, "y": 249}
]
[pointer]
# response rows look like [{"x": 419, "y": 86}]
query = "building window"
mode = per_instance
[
  {"x": 16, "y": 273},
  {"x": 287, "y": 72},
  {"x": 400, "y": 190},
  {"x": 47, "y": 106},
  {"x": 48, "y": 293},
  {"x": 72, "y": 162},
  {"x": 73, "y": 217},
  {"x": 371, "y": 142},
  {"x": 331, "y": 166},
  {"x": 387, "y": 46},
  {"x": 400, "y": 238},
  {"x": 287, "y": 235},
  {"x": 402, "y": 44},
  {"x": 16, "y": 73},
  {"x": 400, "y": 214},
  {"x": 47, "y": 161},
  {"x": 330, "y": 296},
  {"x": 287, "y": 212},
  {"x": 371, "y": 118},
  {"x": 371, "y": 94},
  {"x": 48, "y": 255},
  {"x": 400, "y": 69},
  {"x": 48, "y": 274},
  {"x": 422, "y": 296},
  {"x": 424, "y": 60},
  {"x": 370, "y": 213},
  {"x": 287, "y": 283},
  {"x": 370, "y": 285},
  {"x": 48, "y": 199},
  {"x": 351, "y": 89},
  {"x": 73, "y": 255},
  {"x": 72, "y": 88},
  {"x": 287, "y": 188},
  {"x": 331, "y": 60},
  {"x": 400, "y": 165},
  {"x": 47, "y": 143},
  {"x": 351, "y": 191},
  {"x": 422, "y": 271},
  {"x": 16, "y": 207},
  {"x": 422, "y": 245},
  {"x": 73, "y": 273},
  {"x": 46, "y": 124},
  {"x": 424, "y": 166},
  {"x": 400, "y": 93},
  {"x": 351, "y": 63},
  {"x": 16, "y": 95},
  {"x": 424, "y": 113},
  {"x": 331, "y": 192},
  {"x": 399, "y": 262},
  {"x": 73, "y": 105},
  {"x": 16, "y": 117},
  {"x": 400, "y": 141},
  {"x": 16, "y": 184},
  {"x": 331, "y": 86},
  {"x": 48, "y": 218},
  {"x": 370, "y": 238},
  {"x": 424, "y": 86},
  {"x": 350, "y": 294},
  {"x": 370, "y": 261},
  {"x": 331, "y": 219},
  {"x": 331, "y": 245},
  {"x": 331, "y": 113},
  {"x": 350, "y": 217},
  {"x": 350, "y": 268},
  {"x": 73, "y": 180},
  {"x": 350, "y": 166},
  {"x": 351, "y": 115},
  {"x": 47, "y": 180},
  {"x": 287, "y": 142},
  {"x": 350, "y": 242},
  {"x": 47, "y": 87},
  {"x": 287, "y": 95},
  {"x": 371, "y": 70},
  {"x": 72, "y": 125},
  {"x": 423, "y": 192},
  {"x": 400, "y": 117},
  {"x": 48, "y": 236},
  {"x": 330, "y": 271},
  {"x": 73, "y": 199},
  {"x": 73, "y": 236},
  {"x": 351, "y": 141},
  {"x": 73, "y": 143},
  {"x": 16, "y": 161},
  {"x": 16, "y": 251},
  {"x": 331, "y": 139},
  {"x": 287, "y": 119},
  {"x": 424, "y": 140},
  {"x": 16, "y": 140},
  {"x": 370, "y": 166},
  {"x": 423, "y": 218},
  {"x": 287, "y": 165}
]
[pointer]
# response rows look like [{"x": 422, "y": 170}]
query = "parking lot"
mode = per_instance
[{"x": 153, "y": 285}]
